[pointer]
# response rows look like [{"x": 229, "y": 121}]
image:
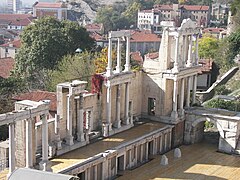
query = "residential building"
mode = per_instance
[
  {"x": 151, "y": 19},
  {"x": 219, "y": 11},
  {"x": 13, "y": 6},
  {"x": 57, "y": 10},
  {"x": 218, "y": 33},
  {"x": 98, "y": 28},
  {"x": 18, "y": 21},
  {"x": 10, "y": 49},
  {"x": 144, "y": 41}
]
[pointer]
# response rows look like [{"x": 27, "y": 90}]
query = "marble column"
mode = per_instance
[
  {"x": 185, "y": 43},
  {"x": 45, "y": 164},
  {"x": 109, "y": 108},
  {"x": 12, "y": 148},
  {"x": 127, "y": 65},
  {"x": 109, "y": 65},
  {"x": 70, "y": 103},
  {"x": 118, "y": 67},
  {"x": 188, "y": 92},
  {"x": 29, "y": 141},
  {"x": 182, "y": 97},
  {"x": 57, "y": 132},
  {"x": 127, "y": 103},
  {"x": 174, "y": 113},
  {"x": 196, "y": 50},
  {"x": 189, "y": 61},
  {"x": 176, "y": 57},
  {"x": 80, "y": 133},
  {"x": 118, "y": 109},
  {"x": 194, "y": 89}
]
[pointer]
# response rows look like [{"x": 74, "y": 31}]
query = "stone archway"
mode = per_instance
[
  {"x": 212, "y": 120},
  {"x": 227, "y": 128}
]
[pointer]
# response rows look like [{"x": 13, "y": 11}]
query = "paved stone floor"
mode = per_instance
[
  {"x": 81, "y": 154},
  {"x": 199, "y": 161}
]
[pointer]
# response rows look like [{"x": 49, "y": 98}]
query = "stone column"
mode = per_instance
[
  {"x": 196, "y": 50},
  {"x": 118, "y": 67},
  {"x": 109, "y": 66},
  {"x": 80, "y": 133},
  {"x": 146, "y": 155},
  {"x": 160, "y": 143},
  {"x": 194, "y": 89},
  {"x": 176, "y": 57},
  {"x": 118, "y": 109},
  {"x": 174, "y": 113},
  {"x": 127, "y": 65},
  {"x": 127, "y": 104},
  {"x": 12, "y": 148},
  {"x": 188, "y": 92},
  {"x": 184, "y": 50},
  {"x": 57, "y": 133},
  {"x": 182, "y": 97},
  {"x": 44, "y": 164},
  {"x": 109, "y": 108},
  {"x": 189, "y": 61},
  {"x": 29, "y": 152},
  {"x": 70, "y": 101}
]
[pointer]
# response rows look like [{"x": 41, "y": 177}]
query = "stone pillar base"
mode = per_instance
[
  {"x": 174, "y": 114},
  {"x": 182, "y": 112},
  {"x": 80, "y": 137},
  {"x": 127, "y": 121},
  {"x": 175, "y": 69},
  {"x": 117, "y": 124},
  {"x": 58, "y": 142},
  {"x": 106, "y": 128},
  {"x": 69, "y": 140},
  {"x": 45, "y": 165}
]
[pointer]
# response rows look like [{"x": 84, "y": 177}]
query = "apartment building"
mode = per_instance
[{"x": 151, "y": 19}]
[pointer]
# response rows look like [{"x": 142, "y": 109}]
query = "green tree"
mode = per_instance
[
  {"x": 208, "y": 46},
  {"x": 78, "y": 66},
  {"x": 44, "y": 43}
]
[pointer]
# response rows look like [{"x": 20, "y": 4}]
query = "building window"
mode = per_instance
[
  {"x": 15, "y": 50},
  {"x": 6, "y": 50},
  {"x": 151, "y": 106}
]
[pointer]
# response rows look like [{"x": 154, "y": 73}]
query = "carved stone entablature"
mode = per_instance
[
  {"x": 184, "y": 72},
  {"x": 75, "y": 87},
  {"x": 119, "y": 78}
]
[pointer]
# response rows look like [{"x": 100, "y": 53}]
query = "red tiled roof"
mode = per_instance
[
  {"x": 152, "y": 55},
  {"x": 39, "y": 96},
  {"x": 164, "y": 7},
  {"x": 94, "y": 26},
  {"x": 144, "y": 36},
  {"x": 136, "y": 56},
  {"x": 187, "y": 7},
  {"x": 14, "y": 17},
  {"x": 96, "y": 36},
  {"x": 16, "y": 44},
  {"x": 213, "y": 30},
  {"x": 21, "y": 22},
  {"x": 195, "y": 8},
  {"x": 6, "y": 66},
  {"x": 48, "y": 5},
  {"x": 206, "y": 65}
]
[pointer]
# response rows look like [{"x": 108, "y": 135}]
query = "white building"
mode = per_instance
[{"x": 13, "y": 6}]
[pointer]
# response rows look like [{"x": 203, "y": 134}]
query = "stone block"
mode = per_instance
[
  {"x": 177, "y": 153},
  {"x": 164, "y": 160}
]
